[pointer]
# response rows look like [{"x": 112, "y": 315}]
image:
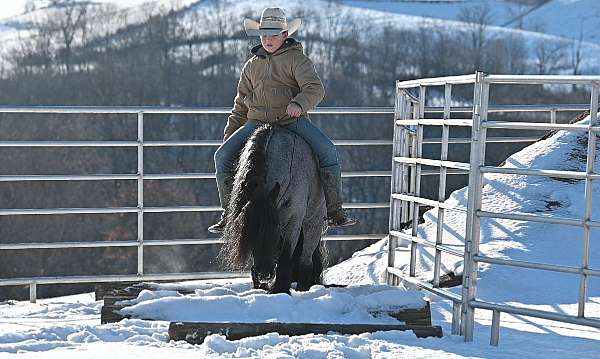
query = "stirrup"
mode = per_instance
[
  {"x": 340, "y": 219},
  {"x": 219, "y": 227}
]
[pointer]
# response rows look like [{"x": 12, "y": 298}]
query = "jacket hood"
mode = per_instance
[{"x": 290, "y": 44}]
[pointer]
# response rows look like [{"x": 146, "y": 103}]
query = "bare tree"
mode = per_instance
[
  {"x": 550, "y": 57},
  {"x": 477, "y": 19},
  {"x": 30, "y": 5},
  {"x": 70, "y": 21},
  {"x": 576, "y": 52},
  {"x": 423, "y": 49},
  {"x": 517, "y": 12}
]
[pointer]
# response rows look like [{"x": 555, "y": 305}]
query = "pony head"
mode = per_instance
[{"x": 264, "y": 234}]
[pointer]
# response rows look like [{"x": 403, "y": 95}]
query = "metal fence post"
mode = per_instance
[
  {"x": 140, "y": 193},
  {"x": 417, "y": 152},
  {"x": 442, "y": 185},
  {"x": 456, "y": 309},
  {"x": 587, "y": 216},
  {"x": 477, "y": 158},
  {"x": 398, "y": 182},
  {"x": 32, "y": 292},
  {"x": 405, "y": 181},
  {"x": 495, "y": 335},
  {"x": 396, "y": 147}
]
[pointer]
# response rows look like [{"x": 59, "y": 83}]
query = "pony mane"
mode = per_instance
[{"x": 248, "y": 203}]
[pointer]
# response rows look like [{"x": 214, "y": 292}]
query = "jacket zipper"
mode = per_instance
[{"x": 268, "y": 77}]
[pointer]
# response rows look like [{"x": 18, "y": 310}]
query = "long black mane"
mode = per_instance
[
  {"x": 275, "y": 160},
  {"x": 250, "y": 213}
]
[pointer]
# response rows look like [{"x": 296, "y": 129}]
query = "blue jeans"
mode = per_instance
[{"x": 321, "y": 145}]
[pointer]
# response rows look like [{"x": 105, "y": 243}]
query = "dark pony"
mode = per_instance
[{"x": 275, "y": 215}]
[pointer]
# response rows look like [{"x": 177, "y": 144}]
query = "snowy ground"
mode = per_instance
[
  {"x": 69, "y": 326},
  {"x": 247, "y": 305}
]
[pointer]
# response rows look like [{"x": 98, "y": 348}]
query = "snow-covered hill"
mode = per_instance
[
  {"x": 563, "y": 20},
  {"x": 69, "y": 327},
  {"x": 17, "y": 11},
  {"x": 133, "y": 12}
]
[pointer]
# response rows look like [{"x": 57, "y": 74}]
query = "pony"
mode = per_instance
[{"x": 275, "y": 217}]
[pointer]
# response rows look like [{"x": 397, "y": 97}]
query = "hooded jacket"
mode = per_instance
[{"x": 269, "y": 82}]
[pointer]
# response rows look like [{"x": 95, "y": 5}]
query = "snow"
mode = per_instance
[
  {"x": 14, "y": 8},
  {"x": 433, "y": 10},
  {"x": 248, "y": 305},
  {"x": 41, "y": 330},
  {"x": 535, "y": 242},
  {"x": 563, "y": 19},
  {"x": 68, "y": 327},
  {"x": 510, "y": 239}
]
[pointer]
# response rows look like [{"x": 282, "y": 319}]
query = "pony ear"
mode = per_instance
[{"x": 275, "y": 192}]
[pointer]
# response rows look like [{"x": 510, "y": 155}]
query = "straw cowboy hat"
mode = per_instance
[{"x": 272, "y": 22}]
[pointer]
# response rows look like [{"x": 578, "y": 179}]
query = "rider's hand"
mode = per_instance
[{"x": 294, "y": 110}]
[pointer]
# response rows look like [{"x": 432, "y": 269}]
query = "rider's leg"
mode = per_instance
[
  {"x": 329, "y": 171},
  {"x": 225, "y": 157}
]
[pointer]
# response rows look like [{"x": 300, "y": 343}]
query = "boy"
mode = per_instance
[{"x": 278, "y": 84}]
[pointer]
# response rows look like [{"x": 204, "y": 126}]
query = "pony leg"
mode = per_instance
[
  {"x": 283, "y": 272},
  {"x": 285, "y": 266},
  {"x": 311, "y": 265}
]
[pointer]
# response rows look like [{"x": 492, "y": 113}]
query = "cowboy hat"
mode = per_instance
[{"x": 272, "y": 22}]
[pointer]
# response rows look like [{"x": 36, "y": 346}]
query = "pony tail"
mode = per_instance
[{"x": 248, "y": 185}]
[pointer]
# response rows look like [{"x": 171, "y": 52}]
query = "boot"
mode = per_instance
[
  {"x": 219, "y": 227},
  {"x": 224, "y": 185},
  {"x": 331, "y": 177}
]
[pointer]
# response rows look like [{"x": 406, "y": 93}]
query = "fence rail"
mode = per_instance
[
  {"x": 140, "y": 176},
  {"x": 405, "y": 201}
]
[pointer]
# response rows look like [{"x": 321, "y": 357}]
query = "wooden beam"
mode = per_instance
[
  {"x": 418, "y": 316},
  {"x": 132, "y": 288},
  {"x": 194, "y": 333},
  {"x": 109, "y": 314}
]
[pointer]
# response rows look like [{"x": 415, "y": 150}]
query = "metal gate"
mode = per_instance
[{"x": 406, "y": 199}]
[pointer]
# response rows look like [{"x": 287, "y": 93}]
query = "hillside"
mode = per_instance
[
  {"x": 565, "y": 18},
  {"x": 561, "y": 23}
]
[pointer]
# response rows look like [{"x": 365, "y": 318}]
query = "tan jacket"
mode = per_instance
[{"x": 269, "y": 82}]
